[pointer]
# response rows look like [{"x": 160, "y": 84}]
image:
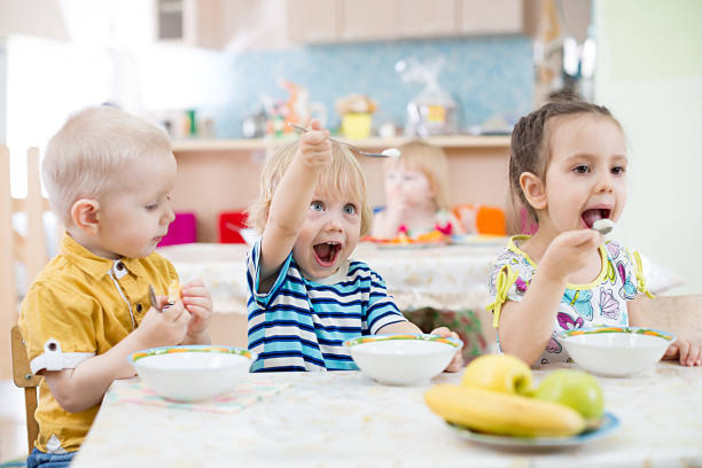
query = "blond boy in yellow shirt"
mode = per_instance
[{"x": 109, "y": 176}]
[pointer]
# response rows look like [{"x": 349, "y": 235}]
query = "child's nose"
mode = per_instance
[
  {"x": 604, "y": 183},
  {"x": 334, "y": 222},
  {"x": 168, "y": 215}
]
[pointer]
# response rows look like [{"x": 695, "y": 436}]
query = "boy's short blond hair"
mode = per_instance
[
  {"x": 344, "y": 175},
  {"x": 433, "y": 163},
  {"x": 85, "y": 158}
]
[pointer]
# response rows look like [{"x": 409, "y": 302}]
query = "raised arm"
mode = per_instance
[{"x": 292, "y": 198}]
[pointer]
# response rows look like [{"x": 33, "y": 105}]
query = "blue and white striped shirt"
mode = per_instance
[{"x": 301, "y": 325}]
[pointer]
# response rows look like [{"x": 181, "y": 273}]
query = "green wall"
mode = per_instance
[{"x": 649, "y": 73}]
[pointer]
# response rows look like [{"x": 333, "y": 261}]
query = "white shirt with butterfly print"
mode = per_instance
[{"x": 601, "y": 302}]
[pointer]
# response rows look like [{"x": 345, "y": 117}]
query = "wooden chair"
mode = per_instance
[
  {"x": 29, "y": 249},
  {"x": 24, "y": 378},
  {"x": 679, "y": 315}
]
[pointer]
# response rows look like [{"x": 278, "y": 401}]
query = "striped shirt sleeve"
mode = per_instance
[{"x": 381, "y": 309}]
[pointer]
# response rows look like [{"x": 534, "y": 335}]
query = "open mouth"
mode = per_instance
[
  {"x": 326, "y": 253},
  {"x": 592, "y": 215}
]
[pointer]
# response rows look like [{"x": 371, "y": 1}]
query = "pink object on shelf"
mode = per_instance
[{"x": 183, "y": 230}]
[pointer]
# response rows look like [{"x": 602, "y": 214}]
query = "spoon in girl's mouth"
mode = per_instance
[{"x": 604, "y": 226}]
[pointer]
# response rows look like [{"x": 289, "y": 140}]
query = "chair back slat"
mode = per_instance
[
  {"x": 679, "y": 315},
  {"x": 8, "y": 290},
  {"x": 30, "y": 249},
  {"x": 36, "y": 255},
  {"x": 24, "y": 378}
]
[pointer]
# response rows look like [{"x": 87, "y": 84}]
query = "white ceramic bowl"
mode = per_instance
[
  {"x": 615, "y": 351},
  {"x": 192, "y": 373},
  {"x": 403, "y": 359}
]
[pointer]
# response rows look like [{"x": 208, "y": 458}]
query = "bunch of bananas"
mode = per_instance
[{"x": 496, "y": 396}]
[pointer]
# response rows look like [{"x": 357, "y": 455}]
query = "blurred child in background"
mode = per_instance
[{"x": 416, "y": 194}]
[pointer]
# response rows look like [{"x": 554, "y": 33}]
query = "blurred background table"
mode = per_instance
[{"x": 448, "y": 283}]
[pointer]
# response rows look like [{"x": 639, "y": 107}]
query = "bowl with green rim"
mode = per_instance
[
  {"x": 193, "y": 372},
  {"x": 403, "y": 359},
  {"x": 615, "y": 351}
]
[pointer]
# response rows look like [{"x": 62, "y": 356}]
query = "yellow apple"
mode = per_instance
[
  {"x": 575, "y": 388},
  {"x": 499, "y": 373}
]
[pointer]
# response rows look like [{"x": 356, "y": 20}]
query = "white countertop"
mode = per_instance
[{"x": 346, "y": 419}]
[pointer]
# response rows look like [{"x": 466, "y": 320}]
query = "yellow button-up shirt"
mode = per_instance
[{"x": 79, "y": 306}]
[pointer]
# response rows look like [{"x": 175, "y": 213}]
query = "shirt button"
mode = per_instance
[{"x": 138, "y": 307}]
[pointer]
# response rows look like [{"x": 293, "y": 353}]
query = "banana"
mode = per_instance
[{"x": 503, "y": 413}]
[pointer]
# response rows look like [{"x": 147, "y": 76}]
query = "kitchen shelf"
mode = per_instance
[{"x": 460, "y": 141}]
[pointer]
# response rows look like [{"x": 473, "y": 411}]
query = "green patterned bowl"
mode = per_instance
[
  {"x": 192, "y": 373},
  {"x": 403, "y": 359},
  {"x": 615, "y": 351}
]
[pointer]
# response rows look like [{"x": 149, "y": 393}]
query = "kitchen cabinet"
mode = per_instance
[
  {"x": 223, "y": 175},
  {"x": 419, "y": 18},
  {"x": 493, "y": 17},
  {"x": 210, "y": 24},
  {"x": 197, "y": 23},
  {"x": 318, "y": 21},
  {"x": 368, "y": 19},
  {"x": 311, "y": 21}
]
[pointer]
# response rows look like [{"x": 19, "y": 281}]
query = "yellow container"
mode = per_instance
[{"x": 356, "y": 125}]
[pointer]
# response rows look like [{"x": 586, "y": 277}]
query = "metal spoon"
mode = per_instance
[
  {"x": 152, "y": 298},
  {"x": 388, "y": 153},
  {"x": 604, "y": 226}
]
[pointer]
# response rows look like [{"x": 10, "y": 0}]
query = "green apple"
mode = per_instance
[
  {"x": 575, "y": 388},
  {"x": 500, "y": 373}
]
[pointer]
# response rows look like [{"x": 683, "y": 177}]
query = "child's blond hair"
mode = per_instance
[
  {"x": 433, "y": 163},
  {"x": 85, "y": 158},
  {"x": 343, "y": 176}
]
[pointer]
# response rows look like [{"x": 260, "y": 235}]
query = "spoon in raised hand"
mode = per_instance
[{"x": 387, "y": 153}]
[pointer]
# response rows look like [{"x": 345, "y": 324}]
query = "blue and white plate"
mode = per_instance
[{"x": 609, "y": 425}]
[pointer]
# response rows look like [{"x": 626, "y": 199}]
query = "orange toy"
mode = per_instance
[{"x": 481, "y": 219}]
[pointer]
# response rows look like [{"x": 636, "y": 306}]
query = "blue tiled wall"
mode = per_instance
[{"x": 489, "y": 77}]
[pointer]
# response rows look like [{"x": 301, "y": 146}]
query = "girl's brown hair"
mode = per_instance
[
  {"x": 344, "y": 175},
  {"x": 529, "y": 147}
]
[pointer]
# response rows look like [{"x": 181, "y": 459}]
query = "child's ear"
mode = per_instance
[
  {"x": 85, "y": 214},
  {"x": 534, "y": 190}
]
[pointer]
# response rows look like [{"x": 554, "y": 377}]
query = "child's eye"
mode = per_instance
[
  {"x": 317, "y": 206},
  {"x": 581, "y": 169},
  {"x": 349, "y": 209},
  {"x": 151, "y": 207},
  {"x": 618, "y": 170}
]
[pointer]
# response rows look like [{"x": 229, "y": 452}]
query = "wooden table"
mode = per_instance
[{"x": 346, "y": 419}]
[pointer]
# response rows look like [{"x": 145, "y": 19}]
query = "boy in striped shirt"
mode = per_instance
[{"x": 305, "y": 296}]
